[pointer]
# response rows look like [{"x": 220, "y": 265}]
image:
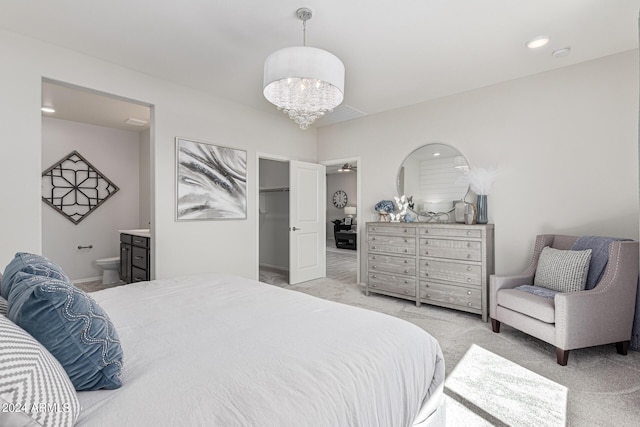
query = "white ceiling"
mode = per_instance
[{"x": 396, "y": 53}]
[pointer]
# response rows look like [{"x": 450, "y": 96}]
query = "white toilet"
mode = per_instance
[{"x": 110, "y": 267}]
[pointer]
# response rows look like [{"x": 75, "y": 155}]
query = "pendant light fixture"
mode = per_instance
[{"x": 304, "y": 82}]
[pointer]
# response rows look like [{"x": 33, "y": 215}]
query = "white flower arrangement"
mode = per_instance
[{"x": 481, "y": 180}]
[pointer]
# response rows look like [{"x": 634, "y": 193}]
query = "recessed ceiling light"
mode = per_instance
[
  {"x": 135, "y": 122},
  {"x": 436, "y": 154},
  {"x": 562, "y": 52},
  {"x": 48, "y": 109},
  {"x": 537, "y": 42}
]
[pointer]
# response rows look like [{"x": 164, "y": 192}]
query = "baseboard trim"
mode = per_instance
[{"x": 274, "y": 267}]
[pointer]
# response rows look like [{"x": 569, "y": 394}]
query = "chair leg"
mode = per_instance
[
  {"x": 622, "y": 347},
  {"x": 495, "y": 325},
  {"x": 562, "y": 356}
]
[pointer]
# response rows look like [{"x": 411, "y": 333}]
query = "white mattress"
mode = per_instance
[{"x": 215, "y": 350}]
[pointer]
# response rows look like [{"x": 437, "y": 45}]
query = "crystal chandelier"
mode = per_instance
[{"x": 304, "y": 82}]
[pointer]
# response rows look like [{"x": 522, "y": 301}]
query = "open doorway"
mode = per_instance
[
  {"x": 111, "y": 139},
  {"x": 343, "y": 236},
  {"x": 273, "y": 221}
]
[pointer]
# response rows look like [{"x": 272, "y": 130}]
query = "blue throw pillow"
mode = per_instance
[
  {"x": 32, "y": 264},
  {"x": 71, "y": 325}
]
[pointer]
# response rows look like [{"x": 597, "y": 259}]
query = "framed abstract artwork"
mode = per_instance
[{"x": 211, "y": 181}]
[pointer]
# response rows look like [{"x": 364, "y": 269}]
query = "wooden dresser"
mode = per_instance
[{"x": 433, "y": 263}]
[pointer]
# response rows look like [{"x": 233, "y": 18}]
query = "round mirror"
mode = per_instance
[{"x": 434, "y": 175}]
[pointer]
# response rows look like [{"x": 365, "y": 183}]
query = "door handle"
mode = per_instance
[{"x": 294, "y": 229}]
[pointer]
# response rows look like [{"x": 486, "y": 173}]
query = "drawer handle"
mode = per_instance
[
  {"x": 426, "y": 285},
  {"x": 405, "y": 230},
  {"x": 426, "y": 274},
  {"x": 469, "y": 293},
  {"x": 406, "y": 292},
  {"x": 406, "y": 271},
  {"x": 406, "y": 261},
  {"x": 468, "y": 233},
  {"x": 468, "y": 255},
  {"x": 468, "y": 244},
  {"x": 374, "y": 257},
  {"x": 375, "y": 247},
  {"x": 406, "y": 282},
  {"x": 469, "y": 304},
  {"x": 406, "y": 240},
  {"x": 406, "y": 250},
  {"x": 427, "y": 264},
  {"x": 426, "y": 252},
  {"x": 373, "y": 238},
  {"x": 426, "y": 242},
  {"x": 468, "y": 279},
  {"x": 138, "y": 279},
  {"x": 468, "y": 268},
  {"x": 138, "y": 257},
  {"x": 428, "y": 295},
  {"x": 374, "y": 284},
  {"x": 373, "y": 266}
]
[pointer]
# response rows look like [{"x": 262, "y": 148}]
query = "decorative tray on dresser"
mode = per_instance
[{"x": 434, "y": 263}]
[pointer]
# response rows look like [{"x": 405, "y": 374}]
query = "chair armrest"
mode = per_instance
[
  {"x": 604, "y": 314},
  {"x": 497, "y": 283}
]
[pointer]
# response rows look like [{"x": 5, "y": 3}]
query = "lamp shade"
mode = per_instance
[
  {"x": 304, "y": 82},
  {"x": 350, "y": 210}
]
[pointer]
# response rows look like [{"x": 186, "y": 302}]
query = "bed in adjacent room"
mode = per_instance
[{"x": 220, "y": 350}]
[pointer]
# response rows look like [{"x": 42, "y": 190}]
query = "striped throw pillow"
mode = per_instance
[
  {"x": 562, "y": 271},
  {"x": 34, "y": 388}
]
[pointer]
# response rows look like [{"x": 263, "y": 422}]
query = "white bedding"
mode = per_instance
[{"x": 215, "y": 350}]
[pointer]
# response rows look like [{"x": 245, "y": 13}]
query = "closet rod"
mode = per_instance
[{"x": 274, "y": 190}]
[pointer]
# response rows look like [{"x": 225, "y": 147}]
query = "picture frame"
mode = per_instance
[
  {"x": 211, "y": 181},
  {"x": 347, "y": 221}
]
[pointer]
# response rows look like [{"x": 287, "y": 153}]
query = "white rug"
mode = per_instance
[{"x": 505, "y": 393}]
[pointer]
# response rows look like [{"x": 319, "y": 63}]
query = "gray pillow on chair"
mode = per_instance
[{"x": 563, "y": 271}]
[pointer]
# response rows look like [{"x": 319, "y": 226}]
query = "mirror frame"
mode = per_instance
[{"x": 431, "y": 216}]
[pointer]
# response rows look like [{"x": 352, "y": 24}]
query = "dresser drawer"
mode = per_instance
[
  {"x": 469, "y": 274},
  {"x": 390, "y": 229},
  {"x": 468, "y": 298},
  {"x": 452, "y": 249},
  {"x": 392, "y": 245},
  {"x": 392, "y": 283},
  {"x": 139, "y": 257},
  {"x": 391, "y": 264},
  {"x": 451, "y": 232}
]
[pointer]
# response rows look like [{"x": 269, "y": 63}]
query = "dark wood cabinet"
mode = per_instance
[{"x": 134, "y": 258}]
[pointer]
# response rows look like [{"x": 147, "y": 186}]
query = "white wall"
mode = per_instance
[
  {"x": 274, "y": 215},
  {"x": 115, "y": 154},
  {"x": 347, "y": 182},
  {"x": 178, "y": 247},
  {"x": 144, "y": 158},
  {"x": 565, "y": 141}
]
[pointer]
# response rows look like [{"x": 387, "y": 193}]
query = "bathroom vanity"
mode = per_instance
[{"x": 135, "y": 260}]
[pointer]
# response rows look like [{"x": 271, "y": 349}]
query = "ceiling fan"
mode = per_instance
[{"x": 347, "y": 167}]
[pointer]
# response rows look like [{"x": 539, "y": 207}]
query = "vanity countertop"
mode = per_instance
[{"x": 140, "y": 232}]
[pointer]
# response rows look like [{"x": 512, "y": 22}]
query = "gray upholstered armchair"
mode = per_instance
[{"x": 572, "y": 320}]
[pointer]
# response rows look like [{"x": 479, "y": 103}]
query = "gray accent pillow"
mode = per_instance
[
  {"x": 34, "y": 388},
  {"x": 562, "y": 271}
]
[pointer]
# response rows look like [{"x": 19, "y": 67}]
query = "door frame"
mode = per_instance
[{"x": 360, "y": 214}]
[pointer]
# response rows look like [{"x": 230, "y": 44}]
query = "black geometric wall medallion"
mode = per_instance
[{"x": 75, "y": 188}]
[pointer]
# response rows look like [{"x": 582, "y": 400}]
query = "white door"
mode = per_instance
[{"x": 307, "y": 229}]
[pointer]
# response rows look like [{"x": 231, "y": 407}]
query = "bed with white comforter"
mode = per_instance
[{"x": 216, "y": 350}]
